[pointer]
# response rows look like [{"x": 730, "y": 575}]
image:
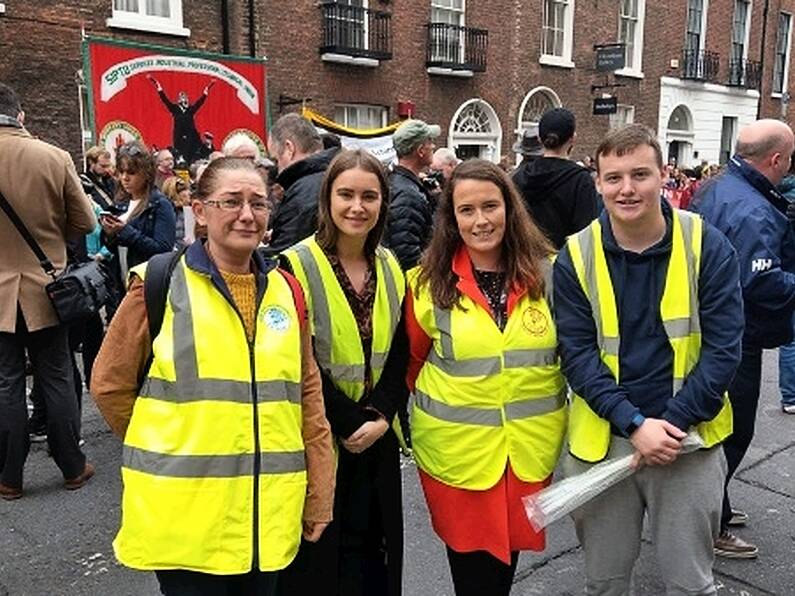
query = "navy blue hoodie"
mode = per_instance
[{"x": 645, "y": 353}]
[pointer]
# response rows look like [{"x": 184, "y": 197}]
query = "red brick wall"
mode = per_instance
[{"x": 40, "y": 56}]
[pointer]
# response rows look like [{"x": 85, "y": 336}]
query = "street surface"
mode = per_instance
[{"x": 58, "y": 543}]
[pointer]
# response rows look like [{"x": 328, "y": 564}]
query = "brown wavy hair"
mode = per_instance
[
  {"x": 524, "y": 246},
  {"x": 135, "y": 157},
  {"x": 345, "y": 160}
]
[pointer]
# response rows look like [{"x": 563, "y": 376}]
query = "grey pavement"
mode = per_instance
[{"x": 58, "y": 543}]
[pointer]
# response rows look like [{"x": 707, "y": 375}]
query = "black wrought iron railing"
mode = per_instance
[
  {"x": 456, "y": 47},
  {"x": 356, "y": 31},
  {"x": 700, "y": 65},
  {"x": 745, "y": 73}
]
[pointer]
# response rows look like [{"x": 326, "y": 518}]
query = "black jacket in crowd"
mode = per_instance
[
  {"x": 101, "y": 189},
  {"x": 296, "y": 216},
  {"x": 410, "y": 219},
  {"x": 559, "y": 195}
]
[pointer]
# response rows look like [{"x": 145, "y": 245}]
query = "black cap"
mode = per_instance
[{"x": 556, "y": 127}]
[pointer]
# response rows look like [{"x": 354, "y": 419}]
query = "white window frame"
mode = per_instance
[
  {"x": 702, "y": 37},
  {"x": 629, "y": 110},
  {"x": 140, "y": 21},
  {"x": 747, "y": 35},
  {"x": 787, "y": 58},
  {"x": 566, "y": 60},
  {"x": 461, "y": 23},
  {"x": 636, "y": 70},
  {"x": 357, "y": 107}
]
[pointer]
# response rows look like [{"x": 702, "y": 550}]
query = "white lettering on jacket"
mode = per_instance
[{"x": 761, "y": 265}]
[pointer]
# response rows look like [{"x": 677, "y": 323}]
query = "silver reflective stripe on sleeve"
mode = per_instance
[
  {"x": 321, "y": 315},
  {"x": 211, "y": 466},
  {"x": 536, "y": 406},
  {"x": 610, "y": 345},
  {"x": 677, "y": 385}
]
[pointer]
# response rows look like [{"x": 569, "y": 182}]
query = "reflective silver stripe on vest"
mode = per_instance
[
  {"x": 537, "y": 406},
  {"x": 189, "y": 387},
  {"x": 444, "y": 325},
  {"x": 587, "y": 250},
  {"x": 677, "y": 385},
  {"x": 378, "y": 359},
  {"x": 220, "y": 390},
  {"x": 391, "y": 288},
  {"x": 350, "y": 373},
  {"x": 458, "y": 414},
  {"x": 185, "y": 365},
  {"x": 472, "y": 367},
  {"x": 211, "y": 466},
  {"x": 687, "y": 222},
  {"x": 522, "y": 358},
  {"x": 516, "y": 410},
  {"x": 321, "y": 315},
  {"x": 677, "y": 328}
]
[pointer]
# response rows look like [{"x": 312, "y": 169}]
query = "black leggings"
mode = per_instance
[
  {"x": 178, "y": 582},
  {"x": 479, "y": 573}
]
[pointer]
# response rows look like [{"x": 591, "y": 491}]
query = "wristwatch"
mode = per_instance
[{"x": 637, "y": 420}]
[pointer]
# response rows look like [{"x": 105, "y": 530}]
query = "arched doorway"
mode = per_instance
[
  {"x": 475, "y": 131},
  {"x": 679, "y": 136},
  {"x": 534, "y": 104}
]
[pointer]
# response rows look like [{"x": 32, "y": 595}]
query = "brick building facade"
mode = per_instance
[{"x": 483, "y": 70}]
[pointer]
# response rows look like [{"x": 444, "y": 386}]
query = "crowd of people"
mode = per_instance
[{"x": 282, "y": 327}]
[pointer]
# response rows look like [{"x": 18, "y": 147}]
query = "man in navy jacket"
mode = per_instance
[
  {"x": 744, "y": 204},
  {"x": 647, "y": 411}
]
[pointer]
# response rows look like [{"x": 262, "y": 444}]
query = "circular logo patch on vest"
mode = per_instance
[
  {"x": 276, "y": 318},
  {"x": 535, "y": 321}
]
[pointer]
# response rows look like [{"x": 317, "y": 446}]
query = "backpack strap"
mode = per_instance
[
  {"x": 156, "y": 283},
  {"x": 158, "y": 277}
]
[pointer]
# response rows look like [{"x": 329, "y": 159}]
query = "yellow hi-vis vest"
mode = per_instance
[
  {"x": 589, "y": 434},
  {"x": 485, "y": 397},
  {"x": 213, "y": 461},
  {"x": 338, "y": 348}
]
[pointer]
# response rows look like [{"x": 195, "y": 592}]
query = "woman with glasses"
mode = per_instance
[
  {"x": 488, "y": 412},
  {"x": 227, "y": 457},
  {"x": 148, "y": 226},
  {"x": 355, "y": 289}
]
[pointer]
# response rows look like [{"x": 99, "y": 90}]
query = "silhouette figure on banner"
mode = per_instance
[{"x": 186, "y": 140}]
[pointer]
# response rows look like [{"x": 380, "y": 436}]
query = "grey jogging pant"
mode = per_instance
[{"x": 683, "y": 504}]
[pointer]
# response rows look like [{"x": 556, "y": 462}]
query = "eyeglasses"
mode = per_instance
[{"x": 259, "y": 207}]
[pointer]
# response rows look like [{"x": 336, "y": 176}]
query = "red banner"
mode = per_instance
[{"x": 190, "y": 102}]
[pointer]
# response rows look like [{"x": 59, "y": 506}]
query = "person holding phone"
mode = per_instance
[{"x": 148, "y": 226}]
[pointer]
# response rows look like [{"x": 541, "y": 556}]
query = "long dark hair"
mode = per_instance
[
  {"x": 345, "y": 160},
  {"x": 524, "y": 246},
  {"x": 134, "y": 157}
]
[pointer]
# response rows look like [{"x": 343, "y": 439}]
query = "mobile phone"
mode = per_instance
[{"x": 109, "y": 215}]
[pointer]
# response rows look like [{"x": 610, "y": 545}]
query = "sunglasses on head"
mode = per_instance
[{"x": 129, "y": 150}]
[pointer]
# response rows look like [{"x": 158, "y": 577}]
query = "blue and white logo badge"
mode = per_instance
[{"x": 276, "y": 318}]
